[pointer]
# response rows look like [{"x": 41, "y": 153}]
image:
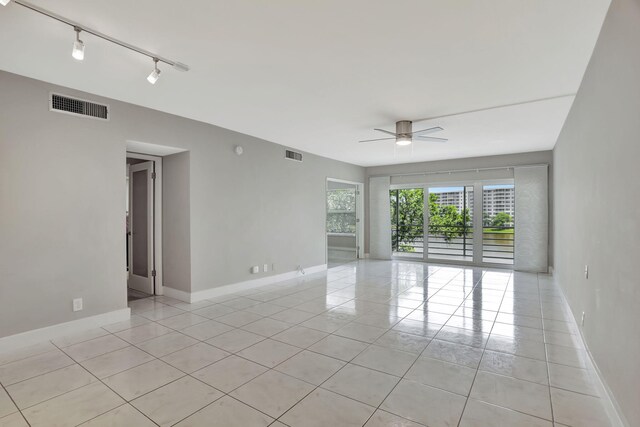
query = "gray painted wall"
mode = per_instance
[
  {"x": 176, "y": 221},
  {"x": 537, "y": 157},
  {"x": 597, "y": 199},
  {"x": 62, "y": 204}
]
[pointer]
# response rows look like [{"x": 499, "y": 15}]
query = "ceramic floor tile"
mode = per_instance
[
  {"x": 519, "y": 395},
  {"x": 143, "y": 333},
  {"x": 227, "y": 412},
  {"x": 524, "y": 348},
  {"x": 269, "y": 352},
  {"x": 267, "y": 327},
  {"x": 323, "y": 408},
  {"x": 109, "y": 364},
  {"x": 300, "y": 336},
  {"x": 95, "y": 347},
  {"x": 576, "y": 409},
  {"x": 214, "y": 311},
  {"x": 175, "y": 401},
  {"x": 454, "y": 353},
  {"x": 362, "y": 384},
  {"x": 182, "y": 321},
  {"x": 403, "y": 341},
  {"x": 389, "y": 360},
  {"x": 238, "y": 318},
  {"x": 339, "y": 347},
  {"x": 424, "y": 404},
  {"x": 132, "y": 322},
  {"x": 572, "y": 379},
  {"x": 74, "y": 407},
  {"x": 125, "y": 415},
  {"x": 566, "y": 356},
  {"x": 229, "y": 373},
  {"x": 14, "y": 420},
  {"x": 509, "y": 365},
  {"x": 385, "y": 419},
  {"x": 33, "y": 366},
  {"x": 235, "y": 340},
  {"x": 360, "y": 332},
  {"x": 9, "y": 356},
  {"x": 481, "y": 414},
  {"x": 161, "y": 312},
  {"x": 167, "y": 344},
  {"x": 142, "y": 379},
  {"x": 38, "y": 389},
  {"x": 195, "y": 357},
  {"x": 7, "y": 407},
  {"x": 206, "y": 330},
  {"x": 311, "y": 367},
  {"x": 79, "y": 337},
  {"x": 444, "y": 375},
  {"x": 259, "y": 393},
  {"x": 292, "y": 315}
]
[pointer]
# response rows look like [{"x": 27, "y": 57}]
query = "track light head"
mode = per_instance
[
  {"x": 155, "y": 74},
  {"x": 4, "y": 2},
  {"x": 78, "y": 46}
]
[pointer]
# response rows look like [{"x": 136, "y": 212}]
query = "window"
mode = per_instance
[{"x": 341, "y": 211}]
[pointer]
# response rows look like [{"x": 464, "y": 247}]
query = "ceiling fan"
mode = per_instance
[{"x": 404, "y": 134}]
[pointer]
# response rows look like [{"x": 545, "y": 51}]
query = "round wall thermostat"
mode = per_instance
[{"x": 239, "y": 150}]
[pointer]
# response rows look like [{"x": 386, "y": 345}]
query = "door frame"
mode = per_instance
[
  {"x": 360, "y": 212},
  {"x": 157, "y": 218}
]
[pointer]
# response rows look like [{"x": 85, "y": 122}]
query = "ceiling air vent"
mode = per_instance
[
  {"x": 78, "y": 107},
  {"x": 292, "y": 155}
]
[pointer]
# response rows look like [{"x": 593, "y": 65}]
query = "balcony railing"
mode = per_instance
[
  {"x": 453, "y": 242},
  {"x": 498, "y": 244}
]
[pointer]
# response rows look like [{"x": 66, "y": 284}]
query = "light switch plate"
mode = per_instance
[{"x": 77, "y": 304}]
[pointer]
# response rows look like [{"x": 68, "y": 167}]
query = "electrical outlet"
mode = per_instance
[
  {"x": 77, "y": 304},
  {"x": 265, "y": 268},
  {"x": 582, "y": 320},
  {"x": 586, "y": 271},
  {"x": 255, "y": 269}
]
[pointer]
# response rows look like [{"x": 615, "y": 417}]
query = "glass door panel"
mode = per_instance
[
  {"x": 498, "y": 223},
  {"x": 407, "y": 222},
  {"x": 450, "y": 234}
]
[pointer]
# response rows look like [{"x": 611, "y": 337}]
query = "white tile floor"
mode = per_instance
[{"x": 373, "y": 343}]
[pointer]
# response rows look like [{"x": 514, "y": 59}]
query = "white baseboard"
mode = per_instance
[
  {"x": 36, "y": 336},
  {"x": 240, "y": 286}
]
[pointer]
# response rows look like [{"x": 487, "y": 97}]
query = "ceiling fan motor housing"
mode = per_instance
[{"x": 403, "y": 128}]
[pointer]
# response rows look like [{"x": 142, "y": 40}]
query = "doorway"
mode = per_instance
[
  {"x": 344, "y": 224},
  {"x": 143, "y": 226}
]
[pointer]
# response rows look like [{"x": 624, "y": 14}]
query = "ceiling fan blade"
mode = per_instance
[
  {"x": 376, "y": 140},
  {"x": 427, "y": 131},
  {"x": 431, "y": 138},
  {"x": 387, "y": 132}
]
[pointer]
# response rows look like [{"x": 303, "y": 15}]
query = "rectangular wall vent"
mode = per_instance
[
  {"x": 78, "y": 107},
  {"x": 292, "y": 155}
]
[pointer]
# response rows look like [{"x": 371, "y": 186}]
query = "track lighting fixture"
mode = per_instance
[
  {"x": 155, "y": 74},
  {"x": 78, "y": 46}
]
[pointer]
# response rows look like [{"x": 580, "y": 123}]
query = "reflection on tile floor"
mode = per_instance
[{"x": 370, "y": 343}]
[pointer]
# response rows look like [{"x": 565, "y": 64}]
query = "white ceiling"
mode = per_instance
[{"x": 320, "y": 75}]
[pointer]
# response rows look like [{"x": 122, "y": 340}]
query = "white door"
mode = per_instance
[{"x": 141, "y": 192}]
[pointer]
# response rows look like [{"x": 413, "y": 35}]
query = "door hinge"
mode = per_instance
[
  {"x": 153, "y": 175},
  {"x": 357, "y": 219},
  {"x": 153, "y": 273}
]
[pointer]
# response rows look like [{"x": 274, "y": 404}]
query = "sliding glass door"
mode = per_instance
[
  {"x": 450, "y": 230},
  {"x": 438, "y": 223}
]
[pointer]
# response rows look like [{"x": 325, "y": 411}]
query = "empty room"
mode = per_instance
[{"x": 319, "y": 213}]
